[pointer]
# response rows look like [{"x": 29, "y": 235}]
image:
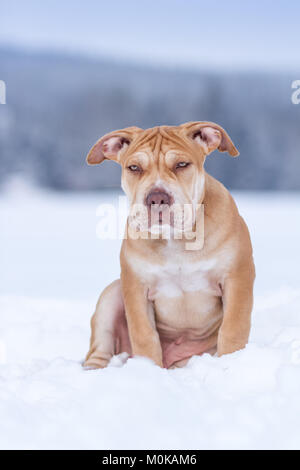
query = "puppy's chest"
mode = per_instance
[{"x": 176, "y": 278}]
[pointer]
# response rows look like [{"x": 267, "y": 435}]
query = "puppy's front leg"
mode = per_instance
[
  {"x": 139, "y": 310},
  {"x": 237, "y": 304}
]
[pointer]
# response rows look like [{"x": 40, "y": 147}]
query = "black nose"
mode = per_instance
[{"x": 159, "y": 198}]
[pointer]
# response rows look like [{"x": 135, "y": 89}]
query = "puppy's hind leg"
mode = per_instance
[{"x": 106, "y": 321}]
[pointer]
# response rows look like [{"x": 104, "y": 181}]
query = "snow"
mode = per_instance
[{"x": 53, "y": 269}]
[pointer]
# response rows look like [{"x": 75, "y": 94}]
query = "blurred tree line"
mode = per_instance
[{"x": 58, "y": 106}]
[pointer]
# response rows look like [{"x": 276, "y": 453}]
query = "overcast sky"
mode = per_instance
[{"x": 216, "y": 33}]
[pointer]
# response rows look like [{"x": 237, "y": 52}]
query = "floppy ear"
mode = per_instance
[
  {"x": 111, "y": 145},
  {"x": 211, "y": 136}
]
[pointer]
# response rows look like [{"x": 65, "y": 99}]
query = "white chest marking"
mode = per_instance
[{"x": 172, "y": 279}]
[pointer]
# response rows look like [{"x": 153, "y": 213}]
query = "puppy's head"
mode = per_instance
[{"x": 162, "y": 168}]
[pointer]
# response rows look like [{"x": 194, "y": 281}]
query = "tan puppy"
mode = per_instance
[{"x": 174, "y": 301}]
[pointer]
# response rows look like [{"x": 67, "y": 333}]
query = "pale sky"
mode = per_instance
[{"x": 229, "y": 34}]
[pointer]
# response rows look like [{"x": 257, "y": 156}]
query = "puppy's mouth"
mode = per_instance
[{"x": 160, "y": 215}]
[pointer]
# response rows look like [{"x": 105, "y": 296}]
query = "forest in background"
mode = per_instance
[{"x": 59, "y": 105}]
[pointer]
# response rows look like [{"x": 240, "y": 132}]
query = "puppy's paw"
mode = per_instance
[{"x": 96, "y": 360}]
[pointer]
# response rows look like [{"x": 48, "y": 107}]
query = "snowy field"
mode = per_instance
[{"x": 52, "y": 269}]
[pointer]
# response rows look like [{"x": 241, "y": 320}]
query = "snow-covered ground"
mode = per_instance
[{"x": 52, "y": 269}]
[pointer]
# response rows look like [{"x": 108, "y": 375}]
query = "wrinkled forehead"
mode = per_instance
[{"x": 158, "y": 141}]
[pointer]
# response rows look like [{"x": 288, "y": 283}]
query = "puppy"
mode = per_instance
[{"x": 183, "y": 290}]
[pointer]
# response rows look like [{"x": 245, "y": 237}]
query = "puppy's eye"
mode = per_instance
[
  {"x": 134, "y": 168},
  {"x": 182, "y": 165}
]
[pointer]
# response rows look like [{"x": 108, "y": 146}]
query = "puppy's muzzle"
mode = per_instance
[{"x": 158, "y": 203}]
